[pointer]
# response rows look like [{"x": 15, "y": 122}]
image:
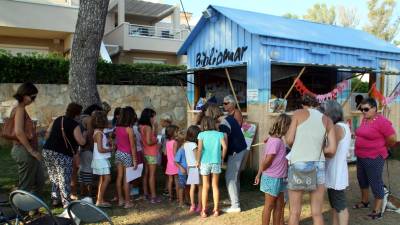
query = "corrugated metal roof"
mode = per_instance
[{"x": 294, "y": 29}]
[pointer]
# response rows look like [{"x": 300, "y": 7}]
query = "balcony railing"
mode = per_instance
[{"x": 157, "y": 32}]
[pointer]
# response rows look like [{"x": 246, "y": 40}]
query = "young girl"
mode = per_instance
[
  {"x": 148, "y": 132},
  {"x": 180, "y": 160},
  {"x": 171, "y": 147},
  {"x": 190, "y": 148},
  {"x": 126, "y": 155},
  {"x": 273, "y": 171},
  {"x": 209, "y": 155},
  {"x": 101, "y": 154}
]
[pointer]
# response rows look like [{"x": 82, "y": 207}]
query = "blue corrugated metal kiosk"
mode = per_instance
[{"x": 264, "y": 53}]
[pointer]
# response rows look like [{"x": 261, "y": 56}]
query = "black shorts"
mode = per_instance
[{"x": 337, "y": 199}]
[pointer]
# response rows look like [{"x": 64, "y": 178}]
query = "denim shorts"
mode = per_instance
[
  {"x": 208, "y": 168},
  {"x": 272, "y": 186},
  {"x": 182, "y": 180},
  {"x": 307, "y": 166}
]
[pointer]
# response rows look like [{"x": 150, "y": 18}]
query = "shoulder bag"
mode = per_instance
[{"x": 305, "y": 180}]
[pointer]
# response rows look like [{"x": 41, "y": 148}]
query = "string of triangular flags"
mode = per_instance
[
  {"x": 303, "y": 90},
  {"x": 381, "y": 98}
]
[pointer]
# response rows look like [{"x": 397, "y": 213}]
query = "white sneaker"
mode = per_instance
[{"x": 231, "y": 210}]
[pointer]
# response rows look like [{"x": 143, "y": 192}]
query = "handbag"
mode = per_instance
[
  {"x": 305, "y": 180},
  {"x": 8, "y": 130}
]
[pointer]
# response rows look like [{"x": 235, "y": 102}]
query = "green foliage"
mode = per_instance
[
  {"x": 321, "y": 13},
  {"x": 53, "y": 69},
  {"x": 347, "y": 17},
  {"x": 291, "y": 16},
  {"x": 381, "y": 21},
  {"x": 362, "y": 87}
]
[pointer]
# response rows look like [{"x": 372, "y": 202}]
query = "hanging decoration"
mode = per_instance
[
  {"x": 303, "y": 90},
  {"x": 381, "y": 98}
]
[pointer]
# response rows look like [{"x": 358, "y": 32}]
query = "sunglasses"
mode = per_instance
[
  {"x": 365, "y": 109},
  {"x": 226, "y": 103},
  {"x": 33, "y": 97}
]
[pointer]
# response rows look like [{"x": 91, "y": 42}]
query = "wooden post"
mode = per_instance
[
  {"x": 233, "y": 90},
  {"x": 294, "y": 82},
  {"x": 187, "y": 99}
]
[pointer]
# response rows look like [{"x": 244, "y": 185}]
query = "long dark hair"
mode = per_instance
[
  {"x": 145, "y": 116},
  {"x": 127, "y": 117},
  {"x": 25, "y": 89}
]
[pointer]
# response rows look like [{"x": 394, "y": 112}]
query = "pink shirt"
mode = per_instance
[
  {"x": 122, "y": 140},
  {"x": 171, "y": 169},
  {"x": 371, "y": 138},
  {"x": 278, "y": 168},
  {"x": 150, "y": 150}
]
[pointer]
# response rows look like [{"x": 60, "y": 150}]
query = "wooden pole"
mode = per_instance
[
  {"x": 187, "y": 99},
  {"x": 232, "y": 89},
  {"x": 352, "y": 90},
  {"x": 294, "y": 82}
]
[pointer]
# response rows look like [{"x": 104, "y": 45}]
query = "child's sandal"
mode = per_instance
[
  {"x": 203, "y": 214},
  {"x": 216, "y": 212}
]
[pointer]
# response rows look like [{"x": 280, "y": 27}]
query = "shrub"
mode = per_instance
[{"x": 53, "y": 69}]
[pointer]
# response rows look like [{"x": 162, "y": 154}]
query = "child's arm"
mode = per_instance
[
  {"x": 132, "y": 142},
  {"x": 224, "y": 148},
  {"x": 199, "y": 151},
  {"x": 98, "y": 138},
  {"x": 175, "y": 148},
  {"x": 181, "y": 168},
  {"x": 266, "y": 163}
]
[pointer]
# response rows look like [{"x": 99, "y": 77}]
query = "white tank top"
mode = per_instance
[
  {"x": 308, "y": 140},
  {"x": 337, "y": 174},
  {"x": 96, "y": 153}
]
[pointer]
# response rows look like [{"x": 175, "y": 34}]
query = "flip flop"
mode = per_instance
[
  {"x": 103, "y": 205},
  {"x": 361, "y": 205}
]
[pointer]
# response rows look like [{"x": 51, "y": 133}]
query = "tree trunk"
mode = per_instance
[{"x": 85, "y": 51}]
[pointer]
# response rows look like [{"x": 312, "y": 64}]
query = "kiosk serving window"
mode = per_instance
[
  {"x": 317, "y": 79},
  {"x": 213, "y": 84}
]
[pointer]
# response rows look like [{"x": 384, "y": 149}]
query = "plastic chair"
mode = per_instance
[
  {"x": 7, "y": 214},
  {"x": 87, "y": 212},
  {"x": 25, "y": 202}
]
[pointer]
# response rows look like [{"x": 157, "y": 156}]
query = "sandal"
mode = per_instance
[
  {"x": 361, "y": 205},
  {"x": 203, "y": 214},
  {"x": 128, "y": 205},
  {"x": 192, "y": 208},
  {"x": 121, "y": 203},
  {"x": 103, "y": 205},
  {"x": 375, "y": 215},
  {"x": 215, "y": 212}
]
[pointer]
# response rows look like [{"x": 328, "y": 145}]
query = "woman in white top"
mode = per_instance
[
  {"x": 306, "y": 136},
  {"x": 337, "y": 174}
]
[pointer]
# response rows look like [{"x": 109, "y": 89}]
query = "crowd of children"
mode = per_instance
[{"x": 192, "y": 158}]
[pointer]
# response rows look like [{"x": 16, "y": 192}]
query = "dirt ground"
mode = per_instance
[{"x": 145, "y": 213}]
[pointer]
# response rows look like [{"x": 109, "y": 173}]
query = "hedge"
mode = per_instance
[{"x": 53, "y": 69}]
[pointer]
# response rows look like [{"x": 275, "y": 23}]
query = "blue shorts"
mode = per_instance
[
  {"x": 182, "y": 180},
  {"x": 272, "y": 186},
  {"x": 208, "y": 168},
  {"x": 307, "y": 166}
]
